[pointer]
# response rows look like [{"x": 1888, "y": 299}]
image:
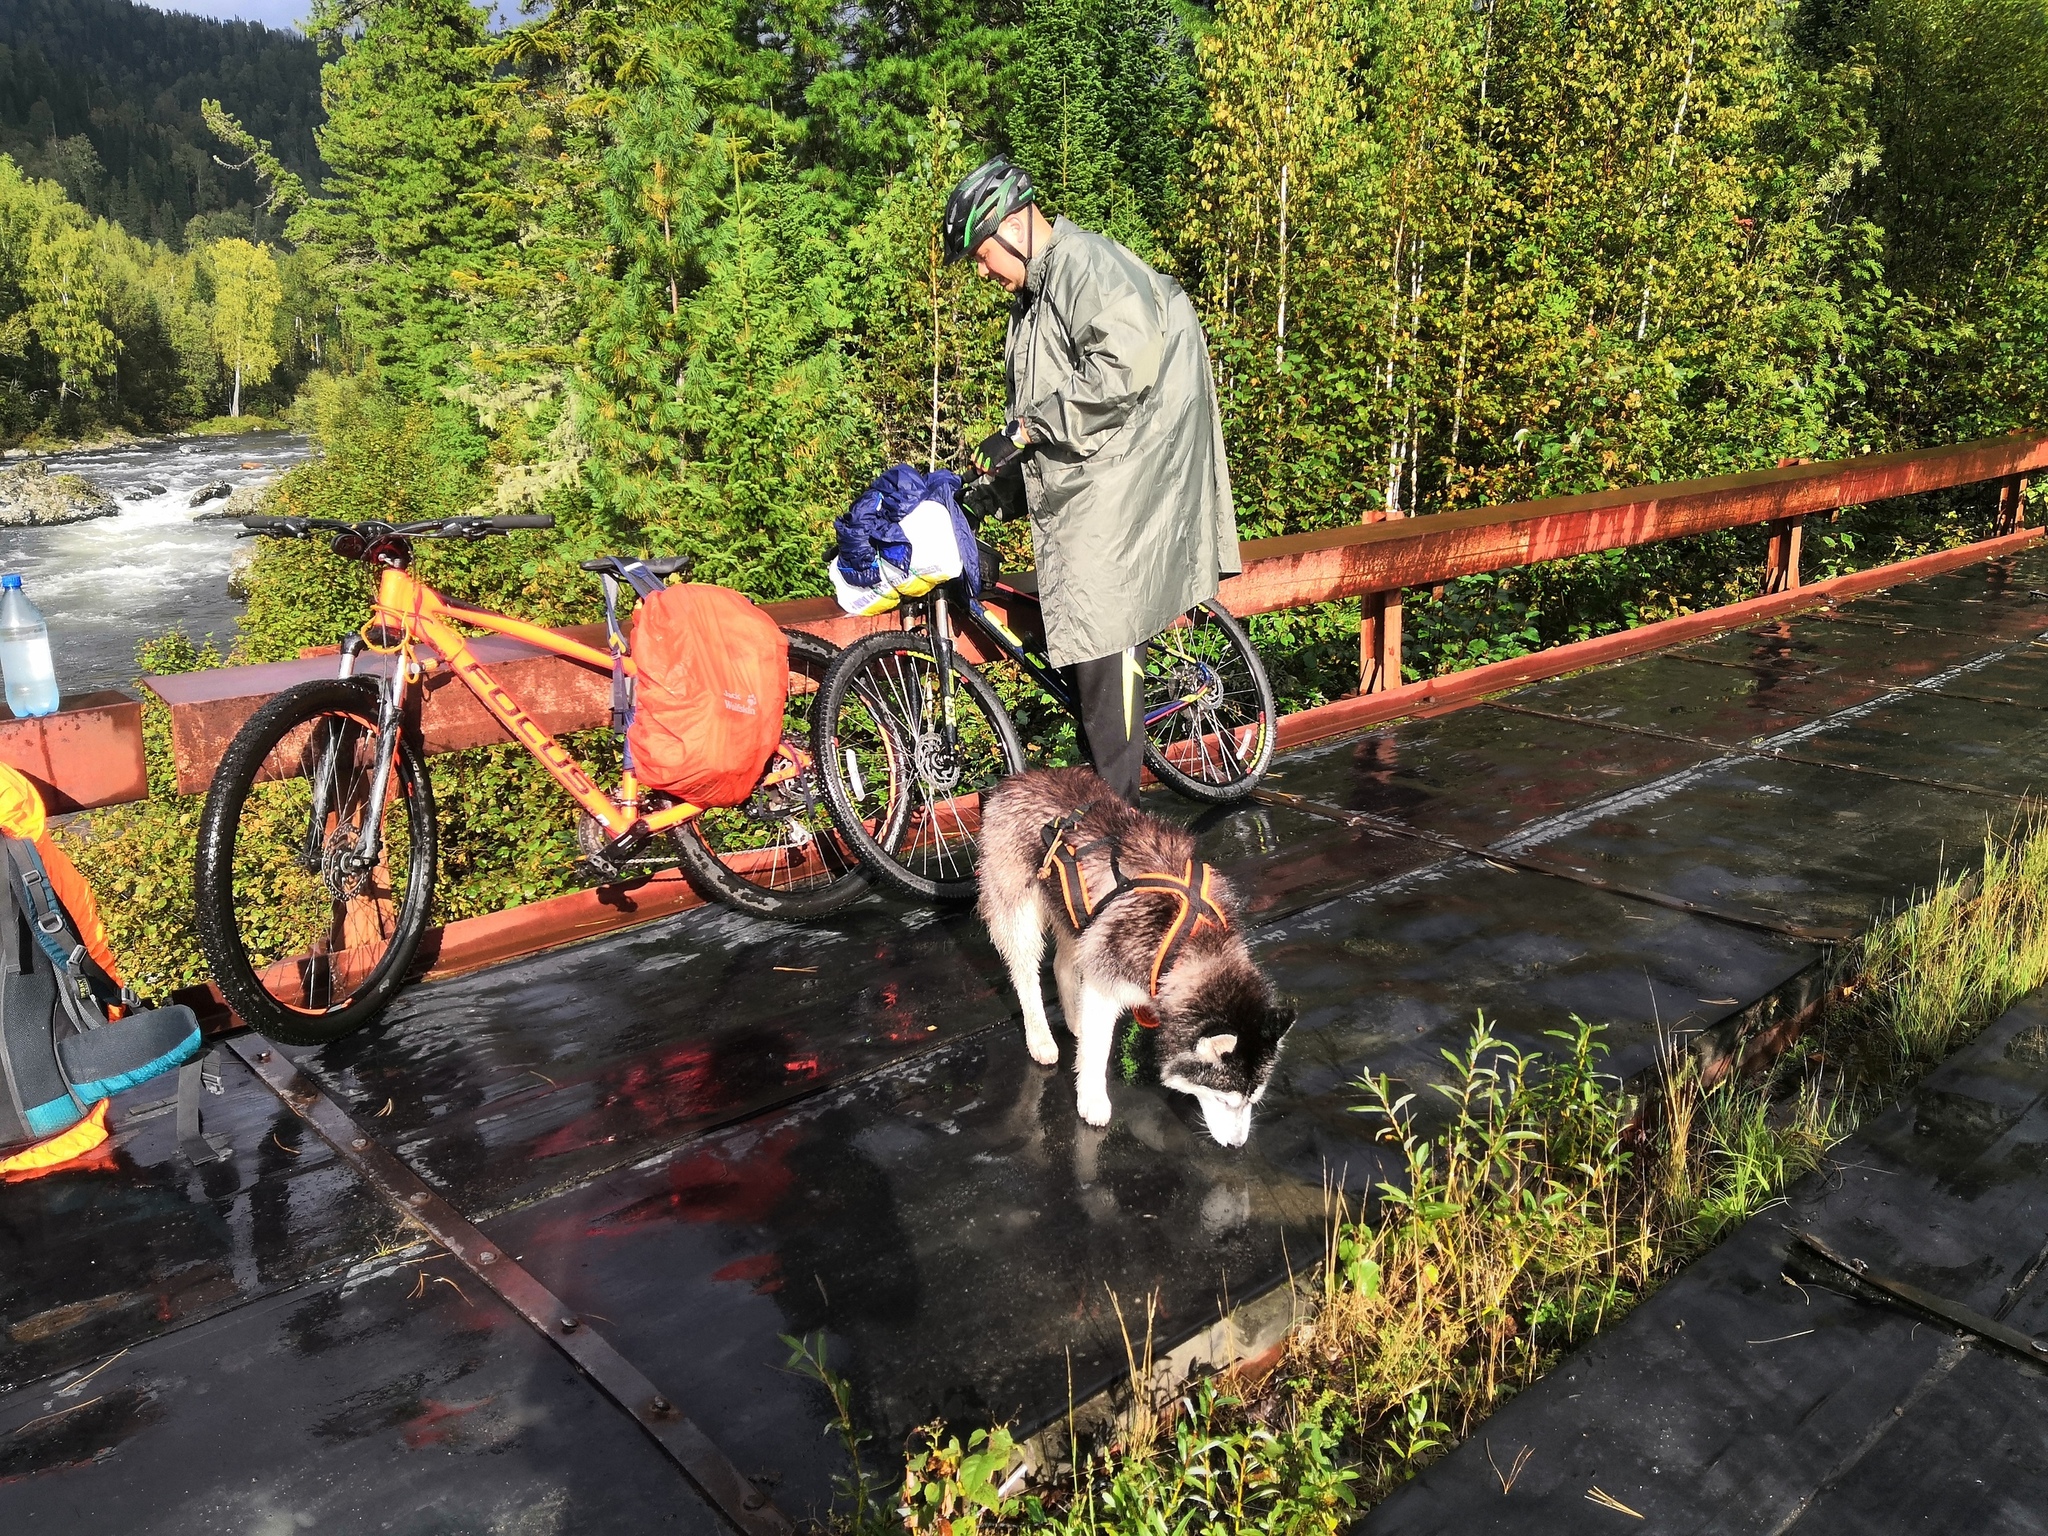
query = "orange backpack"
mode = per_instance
[{"x": 713, "y": 674}]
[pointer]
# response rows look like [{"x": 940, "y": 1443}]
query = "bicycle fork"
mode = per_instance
[
  {"x": 341, "y": 745},
  {"x": 940, "y": 623}
]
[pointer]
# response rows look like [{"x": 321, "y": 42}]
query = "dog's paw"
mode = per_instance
[
  {"x": 1044, "y": 1049},
  {"x": 1095, "y": 1109}
]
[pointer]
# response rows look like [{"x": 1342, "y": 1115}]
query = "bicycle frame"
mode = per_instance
[
  {"x": 1014, "y": 648},
  {"x": 414, "y": 611}
]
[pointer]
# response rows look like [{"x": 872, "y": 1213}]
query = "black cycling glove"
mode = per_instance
[
  {"x": 999, "y": 450},
  {"x": 978, "y": 501}
]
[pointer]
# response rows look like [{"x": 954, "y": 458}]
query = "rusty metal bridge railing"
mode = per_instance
[{"x": 91, "y": 753}]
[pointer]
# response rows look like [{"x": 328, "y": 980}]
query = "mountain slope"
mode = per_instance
[{"x": 103, "y": 96}]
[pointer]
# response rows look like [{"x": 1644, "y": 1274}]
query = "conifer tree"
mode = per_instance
[
  {"x": 409, "y": 152},
  {"x": 876, "y": 72},
  {"x": 1106, "y": 98},
  {"x": 930, "y": 335}
]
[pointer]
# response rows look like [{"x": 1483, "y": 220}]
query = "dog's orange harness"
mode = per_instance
[{"x": 1191, "y": 889}]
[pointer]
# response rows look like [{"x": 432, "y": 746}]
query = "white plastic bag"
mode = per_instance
[
  {"x": 934, "y": 551},
  {"x": 866, "y": 601},
  {"x": 934, "y": 560}
]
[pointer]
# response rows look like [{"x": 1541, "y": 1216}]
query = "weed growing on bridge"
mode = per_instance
[
  {"x": 1539, "y": 1210},
  {"x": 1536, "y": 1199},
  {"x": 1931, "y": 976}
]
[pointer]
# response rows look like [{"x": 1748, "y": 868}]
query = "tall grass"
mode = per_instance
[
  {"x": 1926, "y": 980},
  {"x": 1535, "y": 1202}
]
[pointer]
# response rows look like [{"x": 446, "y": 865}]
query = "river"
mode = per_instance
[{"x": 106, "y": 585}]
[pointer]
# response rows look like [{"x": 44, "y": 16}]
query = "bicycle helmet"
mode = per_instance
[{"x": 986, "y": 196}]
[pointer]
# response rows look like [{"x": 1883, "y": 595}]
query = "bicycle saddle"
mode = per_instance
[{"x": 665, "y": 567}]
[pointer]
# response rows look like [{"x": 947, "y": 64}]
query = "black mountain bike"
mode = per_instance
[{"x": 904, "y": 709}]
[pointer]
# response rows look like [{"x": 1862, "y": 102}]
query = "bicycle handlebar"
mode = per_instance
[{"x": 459, "y": 527}]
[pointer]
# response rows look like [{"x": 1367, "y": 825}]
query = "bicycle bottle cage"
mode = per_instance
[{"x": 1192, "y": 889}]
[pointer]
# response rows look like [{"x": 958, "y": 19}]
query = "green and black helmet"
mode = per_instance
[{"x": 986, "y": 196}]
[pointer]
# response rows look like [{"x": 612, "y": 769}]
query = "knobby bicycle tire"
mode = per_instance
[
  {"x": 1221, "y": 776},
  {"x": 933, "y": 850},
  {"x": 279, "y": 920},
  {"x": 733, "y": 877}
]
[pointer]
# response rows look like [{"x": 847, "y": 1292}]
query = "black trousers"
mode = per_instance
[{"x": 1112, "y": 694}]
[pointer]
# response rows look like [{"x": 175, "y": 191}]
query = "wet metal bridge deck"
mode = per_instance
[{"x": 709, "y": 1132}]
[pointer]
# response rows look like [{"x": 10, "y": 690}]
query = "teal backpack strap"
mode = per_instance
[
  {"x": 85, "y": 990},
  {"x": 37, "y": 1100}
]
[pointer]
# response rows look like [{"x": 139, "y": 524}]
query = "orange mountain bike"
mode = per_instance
[{"x": 317, "y": 851}]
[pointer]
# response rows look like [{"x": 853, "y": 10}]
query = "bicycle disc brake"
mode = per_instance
[
  {"x": 938, "y": 765},
  {"x": 342, "y": 869},
  {"x": 1191, "y": 678}
]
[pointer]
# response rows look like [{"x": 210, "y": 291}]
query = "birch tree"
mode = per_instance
[{"x": 246, "y": 294}]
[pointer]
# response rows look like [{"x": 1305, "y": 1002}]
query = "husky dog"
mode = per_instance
[{"x": 1138, "y": 922}]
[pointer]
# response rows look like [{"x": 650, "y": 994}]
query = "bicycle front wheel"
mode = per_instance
[
  {"x": 881, "y": 738},
  {"x": 309, "y": 930},
  {"x": 781, "y": 854},
  {"x": 1209, "y": 712}
]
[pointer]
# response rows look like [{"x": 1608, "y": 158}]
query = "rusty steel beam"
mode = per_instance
[
  {"x": 471, "y": 943},
  {"x": 1781, "y": 556},
  {"x": 1302, "y": 568},
  {"x": 1379, "y": 642},
  {"x": 207, "y": 708},
  {"x": 1454, "y": 690},
  {"x": 89, "y": 753},
  {"x": 2012, "y": 505}
]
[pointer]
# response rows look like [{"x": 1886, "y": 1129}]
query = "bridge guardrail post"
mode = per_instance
[
  {"x": 2012, "y": 505},
  {"x": 1379, "y": 642},
  {"x": 1781, "y": 557}
]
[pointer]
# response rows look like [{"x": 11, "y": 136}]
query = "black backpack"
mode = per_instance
[{"x": 59, "y": 1052}]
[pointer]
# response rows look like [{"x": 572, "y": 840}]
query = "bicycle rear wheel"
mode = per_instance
[
  {"x": 306, "y": 942},
  {"x": 781, "y": 854},
  {"x": 879, "y": 733},
  {"x": 1209, "y": 711}
]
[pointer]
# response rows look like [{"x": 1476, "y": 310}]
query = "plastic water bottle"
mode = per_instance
[{"x": 25, "y": 652}]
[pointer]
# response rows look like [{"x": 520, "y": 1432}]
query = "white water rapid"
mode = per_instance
[{"x": 105, "y": 585}]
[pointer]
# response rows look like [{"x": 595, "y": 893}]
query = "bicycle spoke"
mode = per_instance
[
  {"x": 939, "y": 838},
  {"x": 316, "y": 923},
  {"x": 1208, "y": 720}
]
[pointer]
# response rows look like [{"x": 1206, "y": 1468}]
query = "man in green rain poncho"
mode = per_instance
[{"x": 1114, "y": 441}]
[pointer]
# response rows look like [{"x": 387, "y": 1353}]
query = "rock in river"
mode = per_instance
[
  {"x": 245, "y": 500},
  {"x": 31, "y": 496},
  {"x": 213, "y": 492}
]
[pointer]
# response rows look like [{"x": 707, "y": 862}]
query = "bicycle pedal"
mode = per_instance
[{"x": 615, "y": 857}]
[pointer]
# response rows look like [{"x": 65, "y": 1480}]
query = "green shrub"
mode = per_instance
[{"x": 138, "y": 858}]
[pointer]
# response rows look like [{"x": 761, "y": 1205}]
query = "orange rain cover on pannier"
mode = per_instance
[{"x": 712, "y": 677}]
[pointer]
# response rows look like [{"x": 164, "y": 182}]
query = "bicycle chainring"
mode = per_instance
[{"x": 790, "y": 801}]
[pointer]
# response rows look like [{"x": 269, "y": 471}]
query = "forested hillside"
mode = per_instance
[
  {"x": 668, "y": 267},
  {"x": 102, "y": 96}
]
